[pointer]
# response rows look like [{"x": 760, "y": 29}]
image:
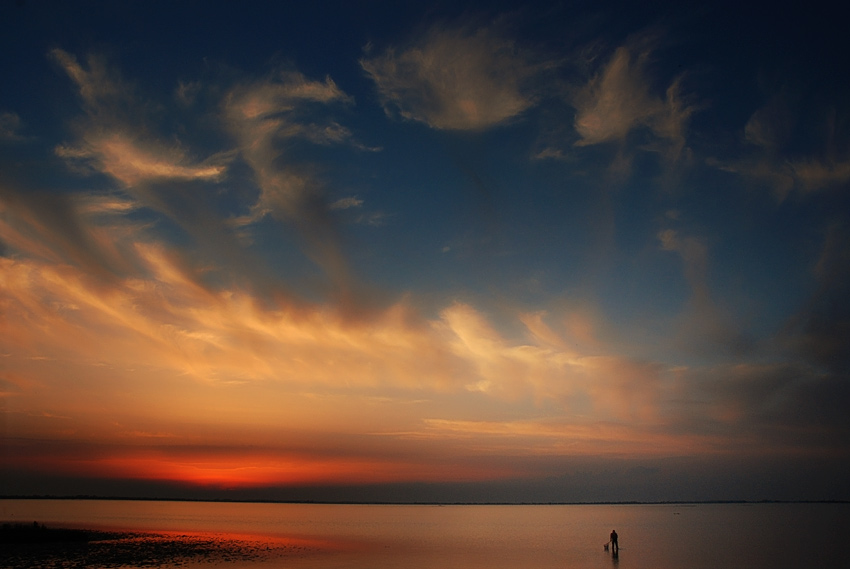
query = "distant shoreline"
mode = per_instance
[{"x": 415, "y": 503}]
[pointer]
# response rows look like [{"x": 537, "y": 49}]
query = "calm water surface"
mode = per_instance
[{"x": 754, "y": 536}]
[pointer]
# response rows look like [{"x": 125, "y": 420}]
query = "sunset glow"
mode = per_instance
[{"x": 550, "y": 252}]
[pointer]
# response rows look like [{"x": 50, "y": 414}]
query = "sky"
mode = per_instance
[{"x": 425, "y": 251}]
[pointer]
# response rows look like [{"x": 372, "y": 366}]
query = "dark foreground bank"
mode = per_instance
[{"x": 36, "y": 545}]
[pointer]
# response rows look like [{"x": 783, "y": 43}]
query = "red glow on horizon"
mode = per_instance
[{"x": 223, "y": 471}]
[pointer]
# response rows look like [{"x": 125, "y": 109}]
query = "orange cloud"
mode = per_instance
[
  {"x": 173, "y": 322},
  {"x": 130, "y": 162},
  {"x": 563, "y": 438},
  {"x": 135, "y": 359},
  {"x": 455, "y": 79},
  {"x": 618, "y": 100}
]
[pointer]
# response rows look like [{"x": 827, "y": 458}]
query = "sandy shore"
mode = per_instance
[{"x": 28, "y": 546}]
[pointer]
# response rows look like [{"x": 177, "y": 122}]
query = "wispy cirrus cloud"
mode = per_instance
[
  {"x": 347, "y": 203},
  {"x": 165, "y": 312},
  {"x": 784, "y": 176},
  {"x": 455, "y": 78},
  {"x": 61, "y": 228},
  {"x": 267, "y": 117},
  {"x": 118, "y": 136},
  {"x": 695, "y": 257},
  {"x": 98, "y": 86},
  {"x": 167, "y": 337},
  {"x": 618, "y": 100},
  {"x": 196, "y": 352},
  {"x": 555, "y": 436},
  {"x": 823, "y": 164},
  {"x": 129, "y": 162},
  {"x": 814, "y": 174},
  {"x": 262, "y": 120},
  {"x": 618, "y": 108},
  {"x": 115, "y": 139},
  {"x": 704, "y": 325}
]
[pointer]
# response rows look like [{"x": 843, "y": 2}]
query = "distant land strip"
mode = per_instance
[{"x": 416, "y": 503}]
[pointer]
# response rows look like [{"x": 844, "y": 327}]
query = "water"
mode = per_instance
[{"x": 753, "y": 536}]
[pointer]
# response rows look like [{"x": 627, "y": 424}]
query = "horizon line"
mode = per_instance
[{"x": 417, "y": 503}]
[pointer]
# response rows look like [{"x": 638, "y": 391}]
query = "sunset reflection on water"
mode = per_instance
[{"x": 328, "y": 536}]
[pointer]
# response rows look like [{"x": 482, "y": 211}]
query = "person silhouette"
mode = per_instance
[{"x": 615, "y": 547}]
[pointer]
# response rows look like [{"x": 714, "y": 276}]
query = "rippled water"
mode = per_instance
[{"x": 769, "y": 536}]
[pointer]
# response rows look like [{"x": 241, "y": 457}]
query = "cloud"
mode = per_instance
[
  {"x": 618, "y": 100},
  {"x": 784, "y": 176},
  {"x": 10, "y": 127},
  {"x": 614, "y": 102},
  {"x": 111, "y": 316},
  {"x": 268, "y": 117},
  {"x": 619, "y": 109},
  {"x": 813, "y": 175},
  {"x": 821, "y": 329},
  {"x": 117, "y": 139},
  {"x": 57, "y": 228},
  {"x": 790, "y": 395},
  {"x": 346, "y": 203},
  {"x": 704, "y": 325},
  {"x": 766, "y": 407},
  {"x": 166, "y": 316},
  {"x": 694, "y": 254},
  {"x": 163, "y": 340},
  {"x": 770, "y": 126},
  {"x": 777, "y": 175},
  {"x": 774, "y": 156},
  {"x": 126, "y": 160},
  {"x": 607, "y": 387},
  {"x": 455, "y": 79},
  {"x": 787, "y": 394},
  {"x": 405, "y": 387},
  {"x": 94, "y": 204},
  {"x": 98, "y": 86},
  {"x": 187, "y": 92},
  {"x": 558, "y": 437}
]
